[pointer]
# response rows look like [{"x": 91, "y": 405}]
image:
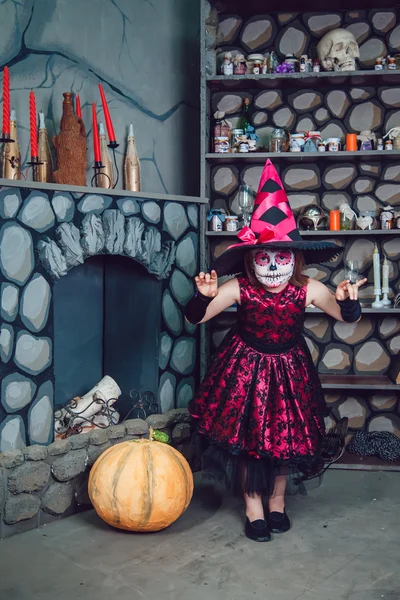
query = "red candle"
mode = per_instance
[
  {"x": 6, "y": 102},
  {"x": 109, "y": 125},
  {"x": 96, "y": 142},
  {"x": 78, "y": 110},
  {"x": 33, "y": 125}
]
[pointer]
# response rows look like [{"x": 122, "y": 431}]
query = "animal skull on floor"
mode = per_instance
[{"x": 338, "y": 50}]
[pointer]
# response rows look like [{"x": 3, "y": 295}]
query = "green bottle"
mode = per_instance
[{"x": 244, "y": 122}]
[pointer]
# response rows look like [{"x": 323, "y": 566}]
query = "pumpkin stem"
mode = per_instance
[{"x": 158, "y": 436}]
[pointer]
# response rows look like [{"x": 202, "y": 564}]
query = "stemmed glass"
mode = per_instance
[
  {"x": 246, "y": 202},
  {"x": 352, "y": 271}
]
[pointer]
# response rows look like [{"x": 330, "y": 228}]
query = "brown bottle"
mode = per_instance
[{"x": 70, "y": 146}]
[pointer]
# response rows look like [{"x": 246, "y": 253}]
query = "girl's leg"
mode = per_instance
[
  {"x": 254, "y": 507},
  {"x": 277, "y": 500}
]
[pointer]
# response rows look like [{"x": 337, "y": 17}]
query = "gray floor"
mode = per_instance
[{"x": 344, "y": 545}]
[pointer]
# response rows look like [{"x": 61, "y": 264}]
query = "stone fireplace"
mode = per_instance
[{"x": 93, "y": 282}]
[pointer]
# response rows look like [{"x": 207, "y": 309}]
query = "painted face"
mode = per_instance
[{"x": 273, "y": 268}]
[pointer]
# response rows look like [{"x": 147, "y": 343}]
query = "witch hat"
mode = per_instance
[{"x": 272, "y": 226}]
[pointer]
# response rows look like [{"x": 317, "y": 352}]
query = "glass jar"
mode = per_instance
[
  {"x": 231, "y": 223},
  {"x": 221, "y": 145},
  {"x": 387, "y": 219},
  {"x": 291, "y": 59},
  {"x": 251, "y": 59},
  {"x": 278, "y": 141},
  {"x": 367, "y": 220},
  {"x": 235, "y": 139}
]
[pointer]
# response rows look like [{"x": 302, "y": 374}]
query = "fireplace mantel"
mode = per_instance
[{"x": 45, "y": 231}]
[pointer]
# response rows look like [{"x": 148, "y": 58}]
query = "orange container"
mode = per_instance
[
  {"x": 351, "y": 142},
  {"x": 334, "y": 220}
]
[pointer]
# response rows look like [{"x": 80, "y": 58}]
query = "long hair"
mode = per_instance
[{"x": 298, "y": 279}]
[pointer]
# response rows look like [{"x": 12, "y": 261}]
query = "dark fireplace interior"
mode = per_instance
[{"x": 107, "y": 318}]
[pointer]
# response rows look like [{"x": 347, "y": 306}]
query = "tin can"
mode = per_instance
[
  {"x": 231, "y": 223},
  {"x": 221, "y": 145}
]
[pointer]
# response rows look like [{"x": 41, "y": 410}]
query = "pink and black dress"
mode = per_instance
[{"x": 261, "y": 405}]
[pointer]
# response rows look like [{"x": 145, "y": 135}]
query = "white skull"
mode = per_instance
[
  {"x": 273, "y": 268},
  {"x": 338, "y": 50}
]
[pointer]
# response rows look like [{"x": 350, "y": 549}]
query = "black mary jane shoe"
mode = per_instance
[
  {"x": 278, "y": 522},
  {"x": 257, "y": 530}
]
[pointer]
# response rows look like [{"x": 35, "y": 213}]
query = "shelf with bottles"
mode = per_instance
[
  {"x": 322, "y": 233},
  {"x": 301, "y": 80},
  {"x": 299, "y": 157}
]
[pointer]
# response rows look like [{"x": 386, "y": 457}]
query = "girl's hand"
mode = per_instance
[
  {"x": 345, "y": 290},
  {"x": 207, "y": 284}
]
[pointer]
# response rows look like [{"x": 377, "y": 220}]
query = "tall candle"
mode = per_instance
[
  {"x": 96, "y": 142},
  {"x": 377, "y": 270},
  {"x": 78, "y": 109},
  {"x": 109, "y": 125},
  {"x": 6, "y": 101},
  {"x": 385, "y": 275},
  {"x": 33, "y": 125}
]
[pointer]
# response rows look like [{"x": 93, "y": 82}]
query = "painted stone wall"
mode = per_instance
[
  {"x": 43, "y": 235},
  {"x": 146, "y": 55},
  {"x": 364, "y": 348}
]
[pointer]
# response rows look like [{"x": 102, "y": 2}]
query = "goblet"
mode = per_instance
[{"x": 246, "y": 202}]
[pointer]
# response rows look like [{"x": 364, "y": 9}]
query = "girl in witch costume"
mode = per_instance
[{"x": 261, "y": 405}]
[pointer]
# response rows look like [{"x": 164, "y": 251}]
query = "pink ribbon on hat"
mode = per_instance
[{"x": 248, "y": 236}]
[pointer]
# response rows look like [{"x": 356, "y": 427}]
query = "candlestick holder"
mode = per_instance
[
  {"x": 113, "y": 144},
  {"x": 35, "y": 163},
  {"x": 6, "y": 139},
  {"x": 385, "y": 299},
  {"x": 97, "y": 173},
  {"x": 377, "y": 303}
]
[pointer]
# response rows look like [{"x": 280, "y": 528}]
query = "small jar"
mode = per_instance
[
  {"x": 243, "y": 145},
  {"x": 334, "y": 220},
  {"x": 303, "y": 63},
  {"x": 316, "y": 66},
  {"x": 239, "y": 65},
  {"x": 297, "y": 142},
  {"x": 386, "y": 218},
  {"x": 264, "y": 69},
  {"x": 235, "y": 139},
  {"x": 257, "y": 66},
  {"x": 389, "y": 145},
  {"x": 367, "y": 220},
  {"x": 291, "y": 59},
  {"x": 221, "y": 145},
  {"x": 379, "y": 144},
  {"x": 333, "y": 144},
  {"x": 221, "y": 129},
  {"x": 278, "y": 141},
  {"x": 391, "y": 65},
  {"x": 321, "y": 146},
  {"x": 250, "y": 62},
  {"x": 252, "y": 145},
  {"x": 379, "y": 64},
  {"x": 231, "y": 223},
  {"x": 227, "y": 67}
]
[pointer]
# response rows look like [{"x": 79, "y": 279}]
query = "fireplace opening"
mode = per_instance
[{"x": 107, "y": 319}]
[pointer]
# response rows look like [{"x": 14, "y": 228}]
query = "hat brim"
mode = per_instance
[{"x": 231, "y": 262}]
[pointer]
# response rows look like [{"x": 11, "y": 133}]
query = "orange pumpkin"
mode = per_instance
[{"x": 140, "y": 485}]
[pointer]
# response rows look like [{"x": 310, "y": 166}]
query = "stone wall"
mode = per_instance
[
  {"x": 144, "y": 53},
  {"x": 42, "y": 484},
  {"x": 43, "y": 235}
]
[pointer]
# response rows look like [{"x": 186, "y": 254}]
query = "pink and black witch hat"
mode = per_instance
[{"x": 272, "y": 226}]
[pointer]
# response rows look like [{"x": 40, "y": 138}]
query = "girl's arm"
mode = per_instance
[
  {"x": 346, "y": 293},
  {"x": 210, "y": 300}
]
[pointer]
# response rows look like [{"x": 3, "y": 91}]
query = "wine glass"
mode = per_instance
[
  {"x": 246, "y": 202},
  {"x": 352, "y": 271}
]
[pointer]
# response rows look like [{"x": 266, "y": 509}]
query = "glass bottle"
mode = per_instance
[{"x": 244, "y": 122}]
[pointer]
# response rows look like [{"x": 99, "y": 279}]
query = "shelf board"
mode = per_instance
[
  {"x": 304, "y": 80},
  {"x": 300, "y": 157},
  {"x": 354, "y": 462},
  {"x": 365, "y": 310},
  {"x": 252, "y": 7},
  {"x": 358, "y": 382},
  {"x": 323, "y": 233}
]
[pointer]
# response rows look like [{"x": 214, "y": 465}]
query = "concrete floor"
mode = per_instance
[{"x": 344, "y": 545}]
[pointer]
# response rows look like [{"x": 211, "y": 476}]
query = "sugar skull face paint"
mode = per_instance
[{"x": 273, "y": 268}]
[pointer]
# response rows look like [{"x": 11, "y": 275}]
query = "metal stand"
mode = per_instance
[
  {"x": 377, "y": 303},
  {"x": 34, "y": 163}
]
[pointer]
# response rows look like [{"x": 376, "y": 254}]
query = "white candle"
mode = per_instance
[
  {"x": 385, "y": 275},
  {"x": 377, "y": 271},
  {"x": 130, "y": 134},
  {"x": 102, "y": 131},
  {"x": 13, "y": 116}
]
